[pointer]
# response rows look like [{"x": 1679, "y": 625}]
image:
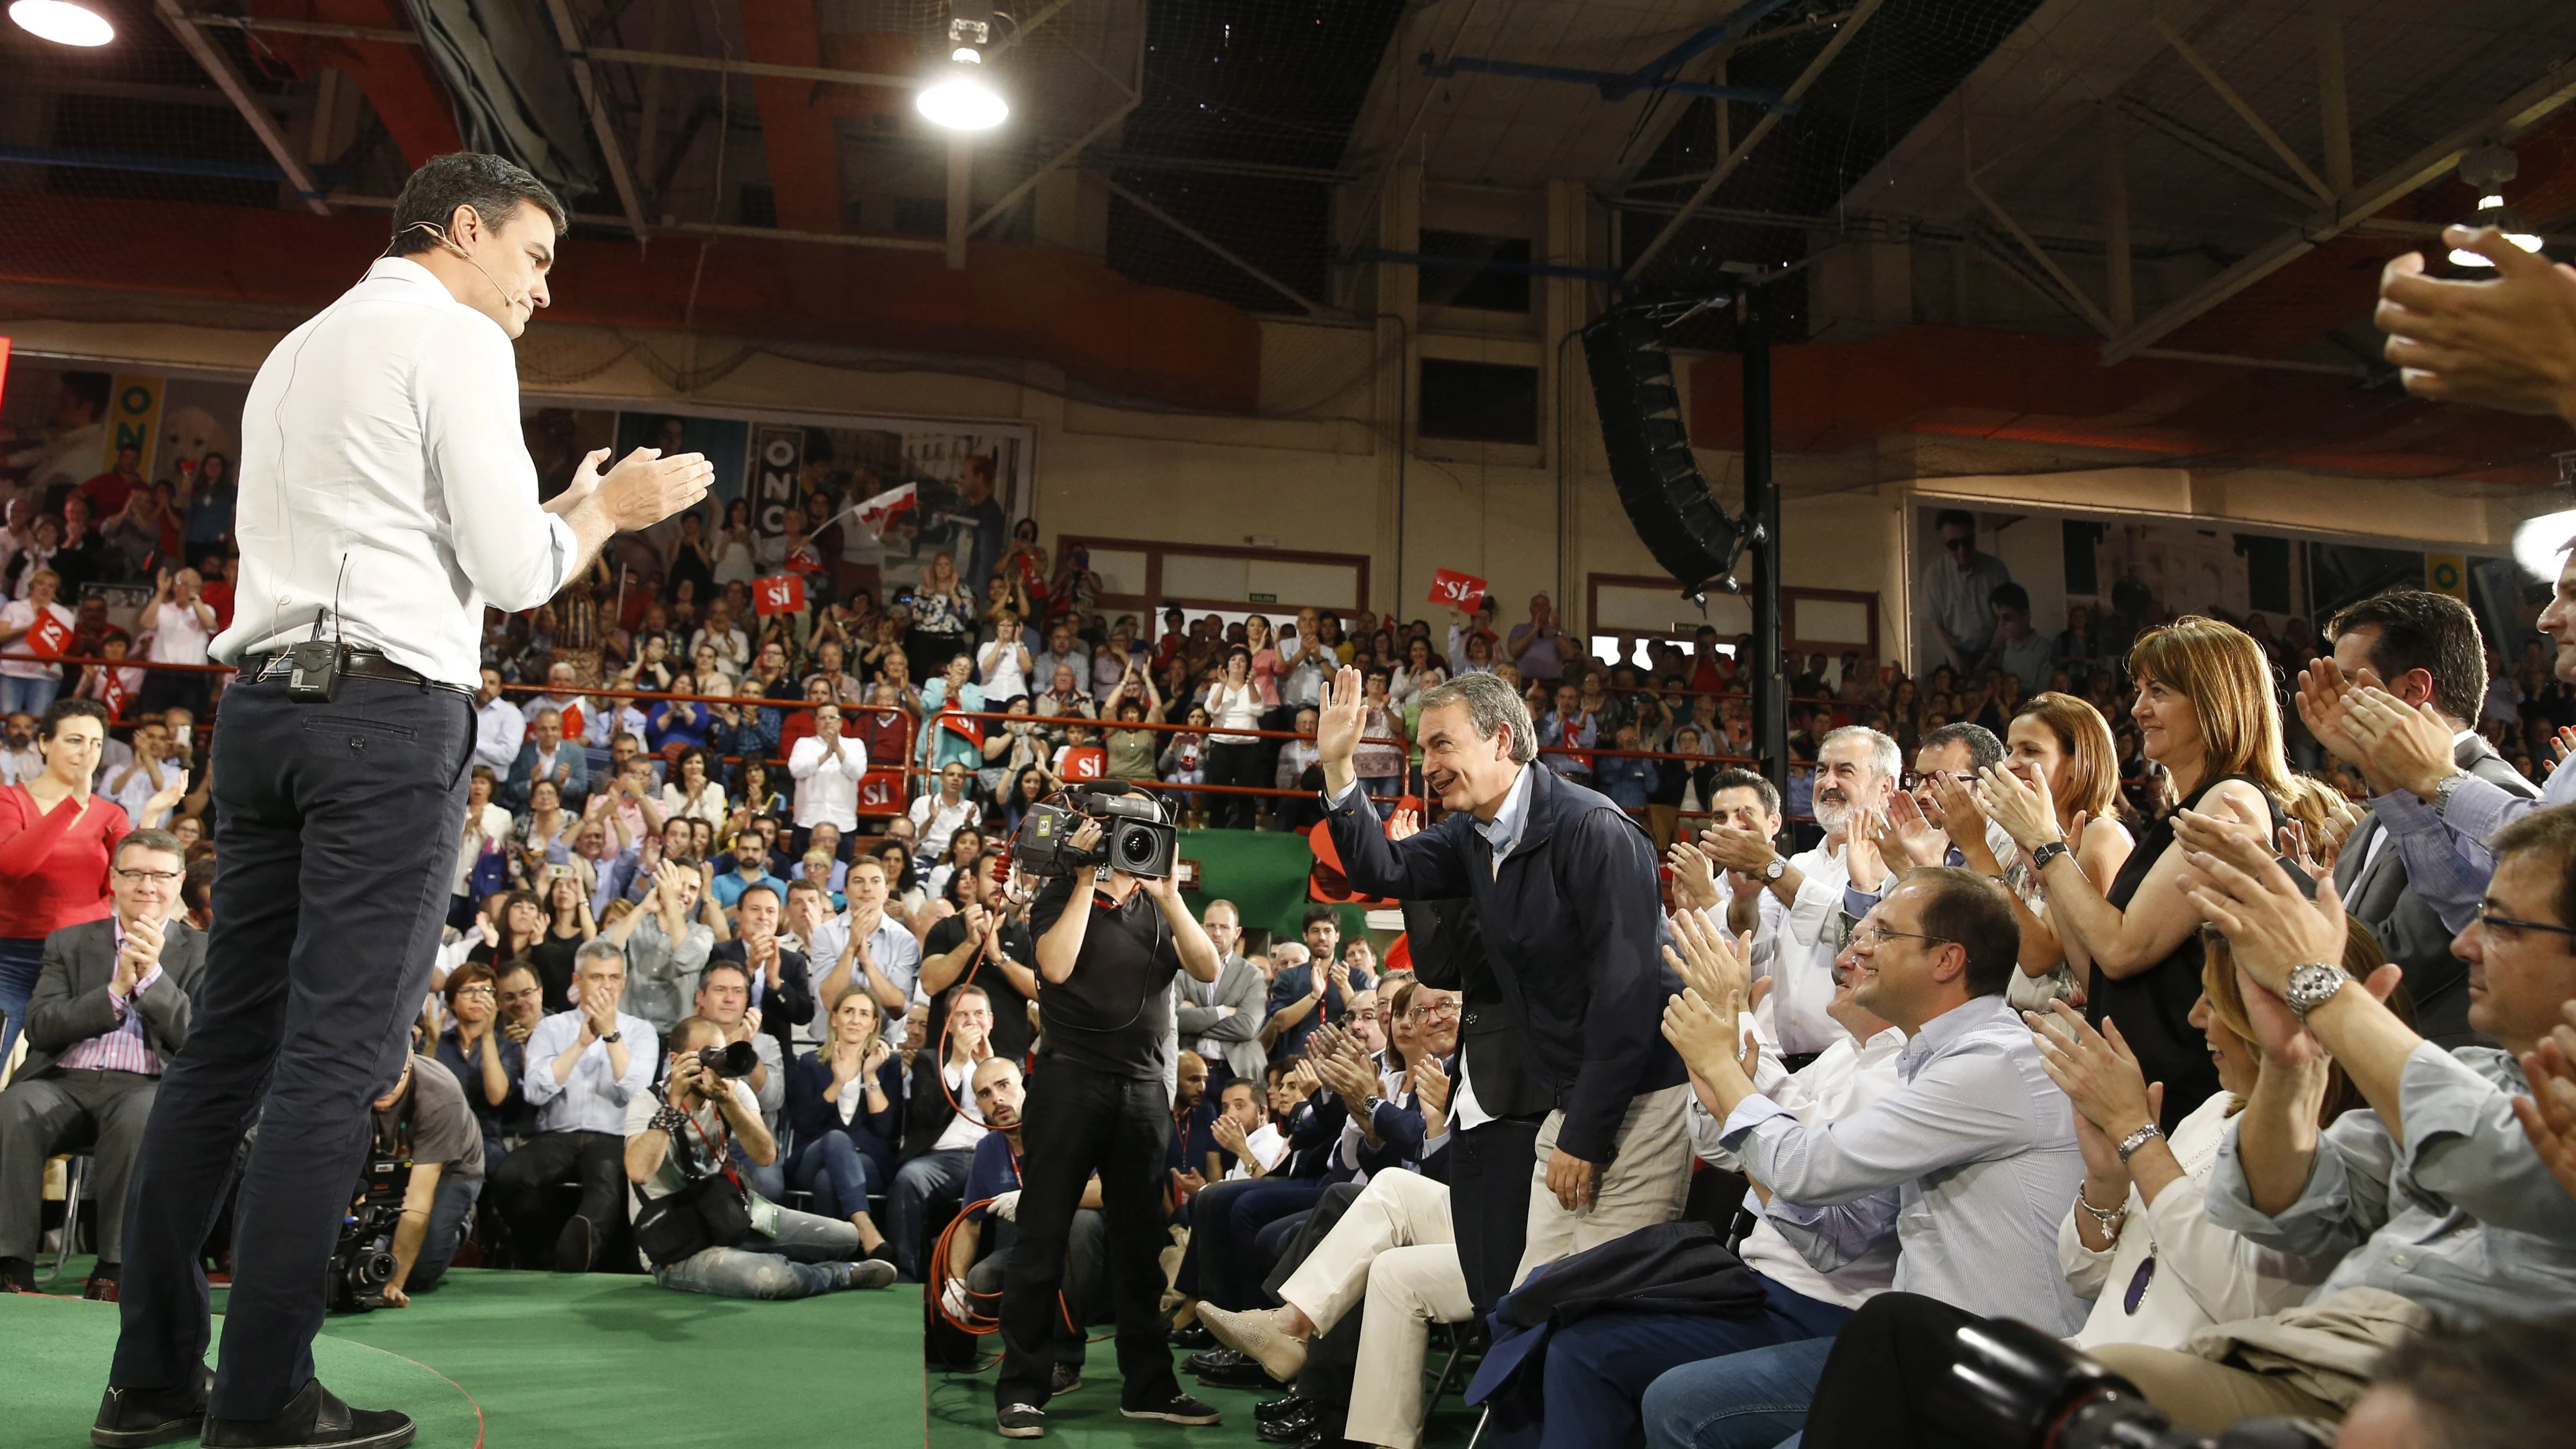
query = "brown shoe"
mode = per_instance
[{"x": 100, "y": 1290}]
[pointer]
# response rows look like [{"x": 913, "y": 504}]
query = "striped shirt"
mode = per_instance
[{"x": 126, "y": 1049}]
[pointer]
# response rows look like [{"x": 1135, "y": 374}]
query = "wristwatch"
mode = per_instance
[
  {"x": 1369, "y": 1107},
  {"x": 615, "y": 1035},
  {"x": 1778, "y": 867},
  {"x": 2449, "y": 786},
  {"x": 2040, "y": 858},
  {"x": 2311, "y": 986},
  {"x": 2138, "y": 1139}
]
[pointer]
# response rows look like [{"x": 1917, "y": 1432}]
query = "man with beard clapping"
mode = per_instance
[{"x": 1827, "y": 889}]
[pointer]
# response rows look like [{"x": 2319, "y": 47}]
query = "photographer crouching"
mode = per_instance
[
  {"x": 695, "y": 1221},
  {"x": 1111, "y": 933}
]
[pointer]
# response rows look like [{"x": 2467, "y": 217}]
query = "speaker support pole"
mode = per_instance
[{"x": 1762, "y": 517}]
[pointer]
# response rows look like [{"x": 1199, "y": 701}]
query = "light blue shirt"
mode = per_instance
[
  {"x": 1969, "y": 1165},
  {"x": 2460, "y": 1217},
  {"x": 593, "y": 1098},
  {"x": 2447, "y": 861}
]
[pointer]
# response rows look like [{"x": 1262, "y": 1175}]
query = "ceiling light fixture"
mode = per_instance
[
  {"x": 959, "y": 98},
  {"x": 62, "y": 22},
  {"x": 2488, "y": 168}
]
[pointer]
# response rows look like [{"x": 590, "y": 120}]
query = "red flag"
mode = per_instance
[
  {"x": 112, "y": 694},
  {"x": 574, "y": 721},
  {"x": 49, "y": 636},
  {"x": 881, "y": 792},
  {"x": 1454, "y": 590},
  {"x": 778, "y": 594},
  {"x": 1083, "y": 762}
]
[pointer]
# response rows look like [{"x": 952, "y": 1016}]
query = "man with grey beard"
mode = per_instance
[{"x": 1827, "y": 889}]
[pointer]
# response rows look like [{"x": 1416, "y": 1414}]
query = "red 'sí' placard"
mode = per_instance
[
  {"x": 778, "y": 594},
  {"x": 49, "y": 636},
  {"x": 1451, "y": 589}
]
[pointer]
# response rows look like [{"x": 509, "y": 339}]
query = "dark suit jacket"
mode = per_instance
[
  {"x": 2407, "y": 928},
  {"x": 1570, "y": 924},
  {"x": 568, "y": 757},
  {"x": 71, "y": 1003},
  {"x": 790, "y": 1007},
  {"x": 1448, "y": 947},
  {"x": 927, "y": 1113}
]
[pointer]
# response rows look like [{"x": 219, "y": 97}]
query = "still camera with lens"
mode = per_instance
[
  {"x": 1136, "y": 833},
  {"x": 362, "y": 1263}
]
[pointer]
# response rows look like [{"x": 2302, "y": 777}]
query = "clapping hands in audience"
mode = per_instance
[{"x": 2548, "y": 1115}]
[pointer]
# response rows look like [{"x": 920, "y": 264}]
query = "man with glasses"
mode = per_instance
[
  {"x": 109, "y": 1012},
  {"x": 1963, "y": 1167},
  {"x": 1955, "y": 594},
  {"x": 2434, "y": 1195}
]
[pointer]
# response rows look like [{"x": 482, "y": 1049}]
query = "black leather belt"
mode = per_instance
[{"x": 355, "y": 663}]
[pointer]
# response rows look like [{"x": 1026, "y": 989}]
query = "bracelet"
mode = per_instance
[
  {"x": 2109, "y": 1220},
  {"x": 671, "y": 1120},
  {"x": 2134, "y": 1141}
]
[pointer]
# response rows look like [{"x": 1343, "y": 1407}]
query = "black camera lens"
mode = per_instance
[{"x": 1135, "y": 847}]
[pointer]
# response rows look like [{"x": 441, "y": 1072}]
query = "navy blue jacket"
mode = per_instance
[
  {"x": 1571, "y": 928},
  {"x": 873, "y": 1133}
]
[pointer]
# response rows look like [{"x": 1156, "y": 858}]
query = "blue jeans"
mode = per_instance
[
  {"x": 761, "y": 1266},
  {"x": 1751, "y": 1400},
  {"x": 27, "y": 696},
  {"x": 770, "y": 1182},
  {"x": 22, "y": 960},
  {"x": 932, "y": 1179},
  {"x": 833, "y": 1169},
  {"x": 450, "y": 1213},
  {"x": 1599, "y": 1368},
  {"x": 1225, "y": 1225}
]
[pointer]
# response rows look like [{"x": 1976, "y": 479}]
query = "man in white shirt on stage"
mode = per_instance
[{"x": 386, "y": 498}]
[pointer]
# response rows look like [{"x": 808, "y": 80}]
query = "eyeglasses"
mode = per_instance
[
  {"x": 464, "y": 991},
  {"x": 531, "y": 994},
  {"x": 1873, "y": 936},
  {"x": 2506, "y": 930},
  {"x": 1441, "y": 1008},
  {"x": 1364, "y": 1014},
  {"x": 1916, "y": 780},
  {"x": 156, "y": 877}
]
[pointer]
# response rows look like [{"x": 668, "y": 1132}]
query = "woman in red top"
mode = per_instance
[{"x": 54, "y": 842}]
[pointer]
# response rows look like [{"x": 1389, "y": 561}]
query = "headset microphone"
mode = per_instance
[{"x": 440, "y": 232}]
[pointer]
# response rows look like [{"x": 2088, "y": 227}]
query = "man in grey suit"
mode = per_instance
[
  {"x": 1221, "y": 1020},
  {"x": 2423, "y": 647},
  {"x": 110, "y": 1011}
]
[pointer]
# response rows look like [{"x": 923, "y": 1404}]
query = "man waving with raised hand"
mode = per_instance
[{"x": 1565, "y": 884}]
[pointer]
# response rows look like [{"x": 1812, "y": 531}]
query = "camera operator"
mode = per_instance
[
  {"x": 679, "y": 1137},
  {"x": 425, "y": 1121},
  {"x": 1109, "y": 944}
]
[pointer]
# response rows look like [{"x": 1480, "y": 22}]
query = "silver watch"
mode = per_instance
[
  {"x": 2311, "y": 986},
  {"x": 2449, "y": 786},
  {"x": 1778, "y": 867}
]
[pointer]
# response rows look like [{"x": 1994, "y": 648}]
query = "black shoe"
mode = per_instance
[
  {"x": 1178, "y": 1409},
  {"x": 132, "y": 1418},
  {"x": 1066, "y": 1378},
  {"x": 1296, "y": 1430},
  {"x": 575, "y": 1246},
  {"x": 1213, "y": 1358},
  {"x": 313, "y": 1419},
  {"x": 1021, "y": 1421},
  {"x": 17, "y": 1275},
  {"x": 1273, "y": 1410},
  {"x": 1245, "y": 1375},
  {"x": 1193, "y": 1337}
]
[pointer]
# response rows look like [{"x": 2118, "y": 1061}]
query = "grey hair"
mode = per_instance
[
  {"x": 1491, "y": 705},
  {"x": 598, "y": 946},
  {"x": 1883, "y": 752}
]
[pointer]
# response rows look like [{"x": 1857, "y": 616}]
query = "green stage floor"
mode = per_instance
[{"x": 541, "y": 1361}]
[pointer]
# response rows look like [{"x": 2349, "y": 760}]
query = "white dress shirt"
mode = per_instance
[
  {"x": 1843, "y": 1079},
  {"x": 827, "y": 781},
  {"x": 592, "y": 1098},
  {"x": 1803, "y": 973},
  {"x": 382, "y": 468},
  {"x": 896, "y": 951},
  {"x": 498, "y": 729}
]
